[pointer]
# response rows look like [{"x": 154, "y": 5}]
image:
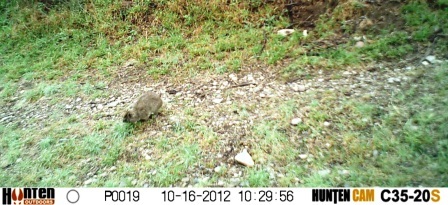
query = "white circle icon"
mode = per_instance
[{"x": 72, "y": 196}]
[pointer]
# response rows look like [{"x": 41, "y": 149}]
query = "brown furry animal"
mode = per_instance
[{"x": 143, "y": 108}]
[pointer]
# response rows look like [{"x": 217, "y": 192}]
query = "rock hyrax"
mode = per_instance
[{"x": 146, "y": 105}]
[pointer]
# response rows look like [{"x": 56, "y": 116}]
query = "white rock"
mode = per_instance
[
  {"x": 326, "y": 124},
  {"x": 343, "y": 172},
  {"x": 391, "y": 80},
  {"x": 431, "y": 59},
  {"x": 245, "y": 158},
  {"x": 113, "y": 104},
  {"x": 359, "y": 44},
  {"x": 324, "y": 172},
  {"x": 233, "y": 77},
  {"x": 122, "y": 184},
  {"x": 218, "y": 100},
  {"x": 220, "y": 183},
  {"x": 425, "y": 63},
  {"x": 250, "y": 78},
  {"x": 305, "y": 33},
  {"x": 89, "y": 181},
  {"x": 346, "y": 73},
  {"x": 303, "y": 156},
  {"x": 375, "y": 153},
  {"x": 218, "y": 169},
  {"x": 285, "y": 32},
  {"x": 296, "y": 121},
  {"x": 297, "y": 88}
]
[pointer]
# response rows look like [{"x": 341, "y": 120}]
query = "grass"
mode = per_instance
[{"x": 44, "y": 57}]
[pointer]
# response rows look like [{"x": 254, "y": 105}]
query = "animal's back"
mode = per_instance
[{"x": 148, "y": 104}]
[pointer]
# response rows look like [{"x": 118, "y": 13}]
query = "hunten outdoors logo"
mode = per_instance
[{"x": 24, "y": 196}]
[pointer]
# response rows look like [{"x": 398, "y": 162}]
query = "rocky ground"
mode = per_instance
[{"x": 215, "y": 93}]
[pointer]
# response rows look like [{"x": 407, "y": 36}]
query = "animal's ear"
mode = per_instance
[{"x": 127, "y": 116}]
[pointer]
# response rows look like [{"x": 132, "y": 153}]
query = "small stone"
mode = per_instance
[
  {"x": 220, "y": 183},
  {"x": 285, "y": 32},
  {"x": 244, "y": 158},
  {"x": 324, "y": 172},
  {"x": 90, "y": 181},
  {"x": 6, "y": 118},
  {"x": 122, "y": 184},
  {"x": 218, "y": 169},
  {"x": 305, "y": 33},
  {"x": 303, "y": 156},
  {"x": 113, "y": 168},
  {"x": 326, "y": 124},
  {"x": 233, "y": 77},
  {"x": 204, "y": 180},
  {"x": 425, "y": 63},
  {"x": 78, "y": 99},
  {"x": 375, "y": 153},
  {"x": 185, "y": 179},
  {"x": 301, "y": 88},
  {"x": 431, "y": 59},
  {"x": 113, "y": 104},
  {"x": 234, "y": 181},
  {"x": 343, "y": 172},
  {"x": 68, "y": 107},
  {"x": 346, "y": 73},
  {"x": 250, "y": 78},
  {"x": 218, "y": 100},
  {"x": 296, "y": 121},
  {"x": 359, "y": 44}
]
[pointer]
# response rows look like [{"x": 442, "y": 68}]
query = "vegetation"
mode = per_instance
[{"x": 63, "y": 50}]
